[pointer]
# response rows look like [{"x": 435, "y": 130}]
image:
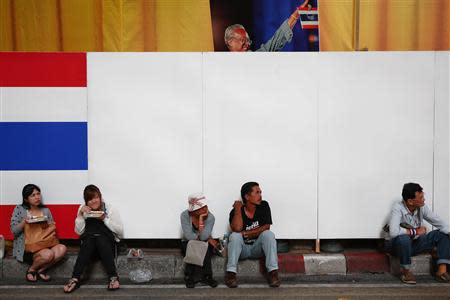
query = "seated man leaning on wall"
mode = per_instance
[
  {"x": 251, "y": 237},
  {"x": 408, "y": 236}
]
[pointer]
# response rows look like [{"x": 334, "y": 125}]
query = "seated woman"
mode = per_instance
[
  {"x": 32, "y": 210},
  {"x": 197, "y": 224},
  {"x": 100, "y": 228}
]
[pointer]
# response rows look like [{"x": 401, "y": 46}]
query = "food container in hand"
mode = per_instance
[
  {"x": 94, "y": 214},
  {"x": 37, "y": 219}
]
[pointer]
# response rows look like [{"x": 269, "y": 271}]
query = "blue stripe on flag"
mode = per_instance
[
  {"x": 43, "y": 146},
  {"x": 310, "y": 17}
]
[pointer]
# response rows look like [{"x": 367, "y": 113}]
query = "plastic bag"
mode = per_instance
[{"x": 140, "y": 275}]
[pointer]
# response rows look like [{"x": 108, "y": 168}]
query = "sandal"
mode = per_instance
[
  {"x": 444, "y": 277},
  {"x": 112, "y": 282},
  {"x": 33, "y": 273},
  {"x": 43, "y": 276},
  {"x": 72, "y": 285}
]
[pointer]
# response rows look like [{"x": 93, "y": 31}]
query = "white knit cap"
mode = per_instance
[{"x": 196, "y": 201}]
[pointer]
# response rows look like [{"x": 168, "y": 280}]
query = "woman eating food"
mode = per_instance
[
  {"x": 100, "y": 228},
  {"x": 34, "y": 230}
]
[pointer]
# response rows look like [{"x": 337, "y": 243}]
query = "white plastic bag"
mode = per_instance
[
  {"x": 195, "y": 252},
  {"x": 140, "y": 275}
]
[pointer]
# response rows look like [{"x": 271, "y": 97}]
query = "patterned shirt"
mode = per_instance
[{"x": 18, "y": 215}]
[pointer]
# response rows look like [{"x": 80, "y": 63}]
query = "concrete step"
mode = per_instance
[
  {"x": 169, "y": 266},
  {"x": 420, "y": 264}
]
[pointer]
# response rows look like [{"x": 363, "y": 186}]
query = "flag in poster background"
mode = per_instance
[
  {"x": 43, "y": 127},
  {"x": 268, "y": 15},
  {"x": 309, "y": 17}
]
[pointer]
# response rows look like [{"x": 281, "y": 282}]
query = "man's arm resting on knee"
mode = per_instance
[
  {"x": 435, "y": 220},
  {"x": 254, "y": 233},
  {"x": 394, "y": 223},
  {"x": 237, "y": 223}
]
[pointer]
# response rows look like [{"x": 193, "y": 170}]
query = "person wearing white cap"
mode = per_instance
[{"x": 197, "y": 224}]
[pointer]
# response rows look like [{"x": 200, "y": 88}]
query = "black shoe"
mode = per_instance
[
  {"x": 209, "y": 280},
  {"x": 230, "y": 280},
  {"x": 274, "y": 281},
  {"x": 190, "y": 284}
]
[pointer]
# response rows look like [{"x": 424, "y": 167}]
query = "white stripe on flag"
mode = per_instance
[
  {"x": 44, "y": 104},
  {"x": 308, "y": 12},
  {"x": 57, "y": 187},
  {"x": 310, "y": 23}
]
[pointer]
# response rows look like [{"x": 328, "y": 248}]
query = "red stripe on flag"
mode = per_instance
[
  {"x": 307, "y": 9},
  {"x": 310, "y": 26},
  {"x": 64, "y": 215},
  {"x": 35, "y": 69}
]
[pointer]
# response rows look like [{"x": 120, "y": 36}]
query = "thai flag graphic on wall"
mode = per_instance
[
  {"x": 43, "y": 133},
  {"x": 309, "y": 17}
]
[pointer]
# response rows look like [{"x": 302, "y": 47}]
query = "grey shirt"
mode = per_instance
[
  {"x": 189, "y": 232},
  {"x": 282, "y": 36},
  {"x": 18, "y": 215},
  {"x": 401, "y": 214}
]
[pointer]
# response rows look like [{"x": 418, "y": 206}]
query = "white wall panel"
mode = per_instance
[
  {"x": 57, "y": 187},
  {"x": 441, "y": 136},
  {"x": 260, "y": 125},
  {"x": 375, "y": 133},
  {"x": 145, "y": 136},
  {"x": 163, "y": 125},
  {"x": 44, "y": 104}
]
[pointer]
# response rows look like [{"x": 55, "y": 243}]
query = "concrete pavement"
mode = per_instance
[
  {"x": 169, "y": 266},
  {"x": 360, "y": 286}
]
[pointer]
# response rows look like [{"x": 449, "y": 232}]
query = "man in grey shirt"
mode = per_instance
[
  {"x": 408, "y": 236},
  {"x": 238, "y": 40}
]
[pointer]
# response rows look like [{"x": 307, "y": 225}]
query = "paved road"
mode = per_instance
[
  {"x": 360, "y": 286},
  {"x": 258, "y": 291}
]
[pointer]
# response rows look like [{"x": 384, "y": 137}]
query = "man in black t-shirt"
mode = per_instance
[{"x": 251, "y": 237}]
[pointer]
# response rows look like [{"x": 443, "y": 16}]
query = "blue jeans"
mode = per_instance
[
  {"x": 266, "y": 244},
  {"x": 404, "y": 247}
]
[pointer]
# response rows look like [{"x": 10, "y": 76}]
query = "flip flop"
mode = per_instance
[
  {"x": 33, "y": 273},
  {"x": 43, "y": 276},
  {"x": 73, "y": 285},
  {"x": 444, "y": 277},
  {"x": 111, "y": 281}
]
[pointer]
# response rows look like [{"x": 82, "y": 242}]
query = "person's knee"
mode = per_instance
[
  {"x": 440, "y": 236},
  {"x": 60, "y": 250},
  {"x": 235, "y": 237},
  {"x": 46, "y": 255},
  {"x": 402, "y": 240},
  {"x": 267, "y": 235}
]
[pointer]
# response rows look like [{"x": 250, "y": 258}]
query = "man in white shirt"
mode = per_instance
[{"x": 408, "y": 236}]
